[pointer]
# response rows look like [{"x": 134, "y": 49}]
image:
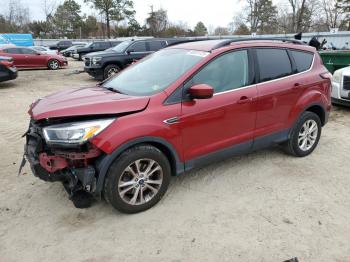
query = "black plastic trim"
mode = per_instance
[{"x": 103, "y": 164}]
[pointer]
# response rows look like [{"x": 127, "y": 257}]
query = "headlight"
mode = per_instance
[
  {"x": 337, "y": 76},
  {"x": 75, "y": 133},
  {"x": 96, "y": 60}
]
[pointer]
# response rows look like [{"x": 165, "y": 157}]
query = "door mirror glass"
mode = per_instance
[{"x": 201, "y": 91}]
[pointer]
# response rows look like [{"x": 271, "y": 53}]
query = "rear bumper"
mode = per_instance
[{"x": 10, "y": 74}]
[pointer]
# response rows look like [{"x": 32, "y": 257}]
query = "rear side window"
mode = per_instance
[
  {"x": 156, "y": 45},
  {"x": 27, "y": 51},
  {"x": 273, "y": 63},
  {"x": 138, "y": 47},
  {"x": 13, "y": 50},
  {"x": 303, "y": 60},
  {"x": 105, "y": 45}
]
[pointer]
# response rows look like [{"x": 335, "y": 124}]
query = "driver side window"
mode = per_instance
[{"x": 227, "y": 72}]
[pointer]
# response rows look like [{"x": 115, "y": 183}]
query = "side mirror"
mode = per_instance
[
  {"x": 130, "y": 51},
  {"x": 201, "y": 91}
]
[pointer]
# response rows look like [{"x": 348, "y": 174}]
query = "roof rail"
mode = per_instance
[
  {"x": 183, "y": 41},
  {"x": 230, "y": 41}
]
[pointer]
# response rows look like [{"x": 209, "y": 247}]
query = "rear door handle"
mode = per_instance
[{"x": 243, "y": 100}]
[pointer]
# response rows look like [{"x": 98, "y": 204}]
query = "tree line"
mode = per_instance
[{"x": 116, "y": 18}]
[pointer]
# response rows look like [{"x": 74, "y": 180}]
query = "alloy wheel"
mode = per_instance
[
  {"x": 140, "y": 181},
  {"x": 308, "y": 135},
  {"x": 112, "y": 71},
  {"x": 54, "y": 64}
]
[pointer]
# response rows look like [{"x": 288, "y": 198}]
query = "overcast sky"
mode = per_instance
[{"x": 215, "y": 13}]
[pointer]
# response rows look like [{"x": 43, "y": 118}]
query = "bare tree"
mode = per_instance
[{"x": 49, "y": 7}]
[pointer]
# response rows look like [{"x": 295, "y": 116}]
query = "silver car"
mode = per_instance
[{"x": 44, "y": 50}]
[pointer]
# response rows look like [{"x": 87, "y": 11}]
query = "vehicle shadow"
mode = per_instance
[{"x": 7, "y": 85}]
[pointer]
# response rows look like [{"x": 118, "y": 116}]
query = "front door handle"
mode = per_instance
[{"x": 243, "y": 100}]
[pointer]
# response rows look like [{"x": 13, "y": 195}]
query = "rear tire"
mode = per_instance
[
  {"x": 137, "y": 179},
  {"x": 110, "y": 70},
  {"x": 305, "y": 135},
  {"x": 53, "y": 64}
]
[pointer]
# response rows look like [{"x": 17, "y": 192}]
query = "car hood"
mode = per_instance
[
  {"x": 84, "y": 102},
  {"x": 102, "y": 53}
]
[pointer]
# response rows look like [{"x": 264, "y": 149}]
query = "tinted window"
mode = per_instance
[
  {"x": 115, "y": 43},
  {"x": 273, "y": 63},
  {"x": 156, "y": 45},
  {"x": 27, "y": 51},
  {"x": 13, "y": 50},
  {"x": 105, "y": 45},
  {"x": 229, "y": 71},
  {"x": 303, "y": 60},
  {"x": 139, "y": 47}
]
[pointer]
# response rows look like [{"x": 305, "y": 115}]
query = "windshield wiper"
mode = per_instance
[{"x": 112, "y": 89}]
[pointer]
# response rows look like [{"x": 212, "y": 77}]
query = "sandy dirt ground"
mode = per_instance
[{"x": 265, "y": 206}]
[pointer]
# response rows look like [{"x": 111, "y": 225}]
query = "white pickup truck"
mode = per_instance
[{"x": 341, "y": 87}]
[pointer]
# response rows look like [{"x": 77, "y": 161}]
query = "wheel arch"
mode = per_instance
[
  {"x": 103, "y": 164},
  {"x": 117, "y": 63},
  {"x": 319, "y": 110}
]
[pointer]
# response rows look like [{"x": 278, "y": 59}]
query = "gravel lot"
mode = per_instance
[{"x": 264, "y": 206}]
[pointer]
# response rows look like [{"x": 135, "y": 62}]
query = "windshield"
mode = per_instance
[
  {"x": 156, "y": 72},
  {"x": 120, "y": 48}
]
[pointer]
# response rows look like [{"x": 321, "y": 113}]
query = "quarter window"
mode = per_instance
[
  {"x": 273, "y": 63},
  {"x": 303, "y": 60},
  {"x": 229, "y": 71}
]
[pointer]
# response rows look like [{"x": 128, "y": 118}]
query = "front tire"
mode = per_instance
[
  {"x": 53, "y": 64},
  {"x": 138, "y": 179},
  {"x": 110, "y": 70},
  {"x": 305, "y": 135}
]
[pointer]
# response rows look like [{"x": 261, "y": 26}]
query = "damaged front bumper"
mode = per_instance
[{"x": 73, "y": 165}]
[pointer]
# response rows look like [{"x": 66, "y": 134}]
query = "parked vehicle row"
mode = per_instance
[
  {"x": 70, "y": 50},
  {"x": 102, "y": 65},
  {"x": 8, "y": 70},
  {"x": 25, "y": 57},
  {"x": 93, "y": 47},
  {"x": 64, "y": 44},
  {"x": 178, "y": 109},
  {"x": 44, "y": 50}
]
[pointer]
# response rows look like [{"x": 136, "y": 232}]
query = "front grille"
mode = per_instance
[
  {"x": 87, "y": 61},
  {"x": 346, "y": 83}
]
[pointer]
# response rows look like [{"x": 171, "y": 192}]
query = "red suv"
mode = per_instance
[{"x": 178, "y": 109}]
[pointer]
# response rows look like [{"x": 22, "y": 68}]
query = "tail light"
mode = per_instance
[{"x": 326, "y": 75}]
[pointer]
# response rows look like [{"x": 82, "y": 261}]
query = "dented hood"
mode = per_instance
[{"x": 85, "y": 101}]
